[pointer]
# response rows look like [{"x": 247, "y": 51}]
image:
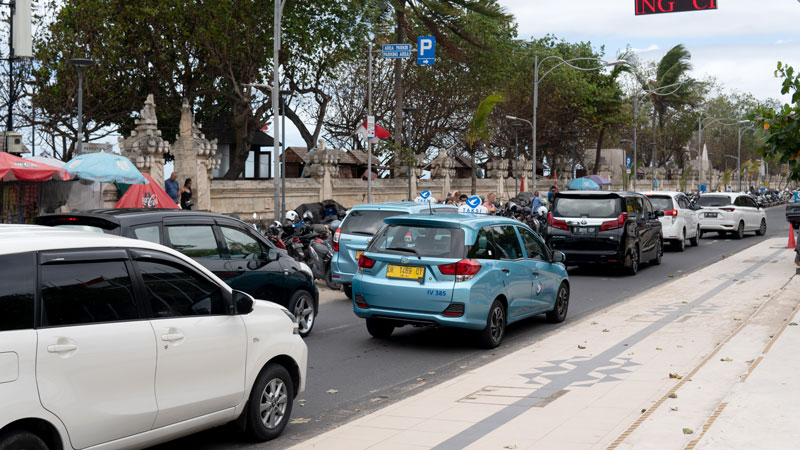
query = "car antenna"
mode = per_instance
[{"x": 430, "y": 208}]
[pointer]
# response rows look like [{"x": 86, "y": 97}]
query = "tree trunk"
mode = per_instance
[
  {"x": 599, "y": 150},
  {"x": 398, "y": 79},
  {"x": 472, "y": 151},
  {"x": 243, "y": 136}
]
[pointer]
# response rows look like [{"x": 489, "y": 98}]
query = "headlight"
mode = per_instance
[
  {"x": 289, "y": 315},
  {"x": 306, "y": 270}
]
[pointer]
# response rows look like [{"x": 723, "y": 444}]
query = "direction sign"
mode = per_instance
[
  {"x": 396, "y": 50},
  {"x": 370, "y": 127},
  {"x": 426, "y": 50},
  {"x": 628, "y": 162},
  {"x": 644, "y": 7}
]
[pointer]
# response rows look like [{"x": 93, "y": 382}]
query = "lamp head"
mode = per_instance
[
  {"x": 619, "y": 62},
  {"x": 81, "y": 62}
]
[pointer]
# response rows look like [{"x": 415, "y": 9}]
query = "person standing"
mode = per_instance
[
  {"x": 551, "y": 194},
  {"x": 491, "y": 203},
  {"x": 186, "y": 195},
  {"x": 172, "y": 187},
  {"x": 536, "y": 201}
]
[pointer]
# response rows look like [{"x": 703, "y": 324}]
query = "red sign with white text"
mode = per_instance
[{"x": 644, "y": 7}]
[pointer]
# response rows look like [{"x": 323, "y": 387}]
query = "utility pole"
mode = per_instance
[
  {"x": 276, "y": 86},
  {"x": 369, "y": 138}
]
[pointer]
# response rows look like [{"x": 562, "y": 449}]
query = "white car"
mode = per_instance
[
  {"x": 113, "y": 343},
  {"x": 731, "y": 212},
  {"x": 680, "y": 218}
]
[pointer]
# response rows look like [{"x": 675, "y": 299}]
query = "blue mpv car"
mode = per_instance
[
  {"x": 361, "y": 223},
  {"x": 456, "y": 270}
]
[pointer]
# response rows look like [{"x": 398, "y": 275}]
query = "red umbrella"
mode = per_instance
[
  {"x": 149, "y": 195},
  {"x": 14, "y": 168}
]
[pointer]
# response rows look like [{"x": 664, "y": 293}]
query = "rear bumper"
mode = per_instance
[
  {"x": 593, "y": 257},
  {"x": 672, "y": 230},
  {"x": 719, "y": 225},
  {"x": 339, "y": 275},
  {"x": 402, "y": 317},
  {"x": 793, "y": 216}
]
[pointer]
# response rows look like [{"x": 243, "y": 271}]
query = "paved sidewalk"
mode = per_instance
[{"x": 632, "y": 376}]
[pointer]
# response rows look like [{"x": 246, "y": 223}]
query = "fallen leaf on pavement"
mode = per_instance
[
  {"x": 659, "y": 348},
  {"x": 299, "y": 420},
  {"x": 736, "y": 318},
  {"x": 792, "y": 324},
  {"x": 605, "y": 330},
  {"x": 750, "y": 361},
  {"x": 581, "y": 346},
  {"x": 511, "y": 446},
  {"x": 332, "y": 391},
  {"x": 687, "y": 431},
  {"x": 644, "y": 410},
  {"x": 675, "y": 375},
  {"x": 726, "y": 359},
  {"x": 673, "y": 395},
  {"x": 671, "y": 276},
  {"x": 685, "y": 303},
  {"x": 593, "y": 323},
  {"x": 673, "y": 408}
]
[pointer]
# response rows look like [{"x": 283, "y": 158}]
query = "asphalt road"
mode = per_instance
[{"x": 351, "y": 374}]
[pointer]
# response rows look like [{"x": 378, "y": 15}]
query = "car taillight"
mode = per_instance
[
  {"x": 555, "y": 223},
  {"x": 728, "y": 209},
  {"x": 67, "y": 219},
  {"x": 614, "y": 224},
  {"x": 366, "y": 263},
  {"x": 336, "y": 239},
  {"x": 671, "y": 212},
  {"x": 463, "y": 270}
]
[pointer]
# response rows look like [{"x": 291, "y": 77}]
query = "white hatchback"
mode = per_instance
[
  {"x": 112, "y": 343},
  {"x": 679, "y": 222},
  {"x": 731, "y": 212}
]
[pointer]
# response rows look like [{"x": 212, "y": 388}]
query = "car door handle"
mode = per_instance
[
  {"x": 506, "y": 270},
  {"x": 535, "y": 273},
  {"x": 171, "y": 337},
  {"x": 61, "y": 348}
]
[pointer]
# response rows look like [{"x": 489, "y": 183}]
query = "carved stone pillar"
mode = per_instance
[
  {"x": 145, "y": 147},
  {"x": 323, "y": 164},
  {"x": 195, "y": 158}
]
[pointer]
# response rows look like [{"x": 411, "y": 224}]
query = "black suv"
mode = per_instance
[
  {"x": 601, "y": 227},
  {"x": 230, "y": 248}
]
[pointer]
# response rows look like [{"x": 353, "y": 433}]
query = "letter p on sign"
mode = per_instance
[{"x": 426, "y": 50}]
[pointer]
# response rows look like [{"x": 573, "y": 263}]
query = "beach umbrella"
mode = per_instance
[
  {"x": 600, "y": 180},
  {"x": 583, "y": 184},
  {"x": 105, "y": 167},
  {"x": 46, "y": 160},
  {"x": 149, "y": 195},
  {"x": 14, "y": 168}
]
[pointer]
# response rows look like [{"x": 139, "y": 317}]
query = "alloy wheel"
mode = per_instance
[
  {"x": 304, "y": 311},
  {"x": 497, "y": 323},
  {"x": 274, "y": 400}
]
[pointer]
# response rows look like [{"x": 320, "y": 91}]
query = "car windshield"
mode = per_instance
[
  {"x": 365, "y": 222},
  {"x": 714, "y": 200},
  {"x": 586, "y": 207},
  {"x": 661, "y": 203},
  {"x": 420, "y": 241}
]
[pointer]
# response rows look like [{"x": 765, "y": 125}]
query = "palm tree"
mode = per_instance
[
  {"x": 478, "y": 129},
  {"x": 672, "y": 69}
]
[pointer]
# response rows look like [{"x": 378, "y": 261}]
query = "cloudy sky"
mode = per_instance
[{"x": 739, "y": 43}]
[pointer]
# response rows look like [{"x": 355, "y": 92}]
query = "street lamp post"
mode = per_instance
[
  {"x": 537, "y": 79},
  {"x": 519, "y": 119},
  {"x": 516, "y": 127},
  {"x": 79, "y": 64},
  {"x": 701, "y": 122},
  {"x": 406, "y": 111},
  {"x": 739, "y": 154},
  {"x": 276, "y": 85}
]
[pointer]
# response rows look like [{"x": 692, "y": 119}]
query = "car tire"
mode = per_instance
[
  {"x": 21, "y": 440},
  {"x": 762, "y": 229},
  {"x": 348, "y": 290},
  {"x": 632, "y": 262},
  {"x": 380, "y": 328},
  {"x": 329, "y": 280},
  {"x": 303, "y": 308},
  {"x": 680, "y": 243},
  {"x": 659, "y": 253},
  {"x": 270, "y": 405},
  {"x": 695, "y": 241},
  {"x": 795, "y": 225},
  {"x": 491, "y": 336},
  {"x": 739, "y": 233},
  {"x": 559, "y": 312}
]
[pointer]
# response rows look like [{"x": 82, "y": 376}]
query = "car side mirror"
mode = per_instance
[
  {"x": 659, "y": 213},
  {"x": 559, "y": 257},
  {"x": 272, "y": 254},
  {"x": 243, "y": 302}
]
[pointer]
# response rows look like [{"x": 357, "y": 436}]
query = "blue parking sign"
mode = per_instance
[
  {"x": 628, "y": 162},
  {"x": 426, "y": 50}
]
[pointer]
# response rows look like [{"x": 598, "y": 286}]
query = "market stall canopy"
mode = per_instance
[
  {"x": 14, "y": 168},
  {"x": 46, "y": 160},
  {"x": 583, "y": 184},
  {"x": 149, "y": 195},
  {"x": 599, "y": 179},
  {"x": 105, "y": 167}
]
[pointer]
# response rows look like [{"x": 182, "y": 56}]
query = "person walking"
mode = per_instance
[
  {"x": 186, "y": 195},
  {"x": 171, "y": 186},
  {"x": 536, "y": 201},
  {"x": 551, "y": 194}
]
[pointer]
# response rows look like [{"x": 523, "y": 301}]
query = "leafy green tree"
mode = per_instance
[
  {"x": 478, "y": 129},
  {"x": 782, "y": 124}
]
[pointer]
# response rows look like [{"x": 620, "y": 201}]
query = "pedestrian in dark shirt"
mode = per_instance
[{"x": 186, "y": 195}]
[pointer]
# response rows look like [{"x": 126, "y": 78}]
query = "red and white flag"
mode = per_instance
[{"x": 380, "y": 132}]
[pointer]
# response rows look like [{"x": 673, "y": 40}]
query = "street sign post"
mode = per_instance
[
  {"x": 370, "y": 127},
  {"x": 396, "y": 50},
  {"x": 426, "y": 50}
]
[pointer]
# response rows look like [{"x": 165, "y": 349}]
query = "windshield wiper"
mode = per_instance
[{"x": 410, "y": 250}]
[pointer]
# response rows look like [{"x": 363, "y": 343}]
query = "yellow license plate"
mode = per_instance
[
  {"x": 405, "y": 272},
  {"x": 359, "y": 253}
]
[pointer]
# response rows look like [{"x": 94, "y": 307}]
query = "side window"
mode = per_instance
[
  {"x": 483, "y": 248},
  {"x": 507, "y": 242},
  {"x": 175, "y": 292},
  {"x": 682, "y": 203},
  {"x": 751, "y": 203},
  {"x": 634, "y": 206},
  {"x": 86, "y": 293},
  {"x": 147, "y": 233},
  {"x": 194, "y": 241},
  {"x": 17, "y": 287},
  {"x": 648, "y": 207},
  {"x": 533, "y": 247},
  {"x": 240, "y": 245}
]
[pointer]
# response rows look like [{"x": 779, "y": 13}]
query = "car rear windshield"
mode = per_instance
[
  {"x": 714, "y": 200},
  {"x": 366, "y": 222},
  {"x": 590, "y": 207},
  {"x": 661, "y": 203},
  {"x": 88, "y": 228},
  {"x": 420, "y": 241}
]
